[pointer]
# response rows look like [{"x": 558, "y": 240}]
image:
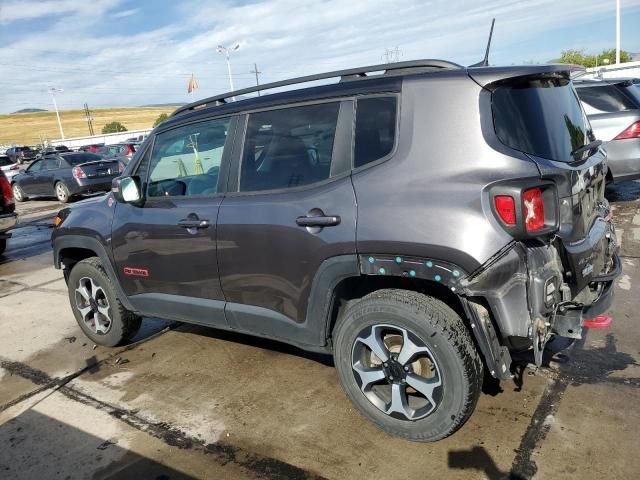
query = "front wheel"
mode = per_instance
[
  {"x": 408, "y": 363},
  {"x": 96, "y": 306},
  {"x": 62, "y": 192}
]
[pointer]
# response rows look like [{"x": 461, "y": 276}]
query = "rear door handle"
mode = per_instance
[
  {"x": 191, "y": 223},
  {"x": 324, "y": 221}
]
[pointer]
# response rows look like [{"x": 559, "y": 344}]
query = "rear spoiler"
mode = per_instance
[{"x": 484, "y": 76}]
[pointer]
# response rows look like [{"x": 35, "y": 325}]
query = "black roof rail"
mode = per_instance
[{"x": 349, "y": 74}]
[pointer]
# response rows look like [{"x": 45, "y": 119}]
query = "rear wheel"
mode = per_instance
[
  {"x": 96, "y": 306},
  {"x": 3, "y": 245},
  {"x": 18, "y": 193},
  {"x": 408, "y": 363},
  {"x": 62, "y": 192}
]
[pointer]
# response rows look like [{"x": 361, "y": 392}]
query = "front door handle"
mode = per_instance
[
  {"x": 193, "y": 223},
  {"x": 323, "y": 221}
]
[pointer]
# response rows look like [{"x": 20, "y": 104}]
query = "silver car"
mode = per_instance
[
  {"x": 9, "y": 167},
  {"x": 613, "y": 108}
]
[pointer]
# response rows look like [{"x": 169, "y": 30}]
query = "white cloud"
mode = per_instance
[
  {"x": 125, "y": 13},
  {"x": 14, "y": 10},
  {"x": 285, "y": 37}
]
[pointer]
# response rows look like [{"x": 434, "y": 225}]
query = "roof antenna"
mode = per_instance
[{"x": 485, "y": 60}]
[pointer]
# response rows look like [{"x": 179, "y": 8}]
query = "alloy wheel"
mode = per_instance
[
  {"x": 92, "y": 303},
  {"x": 396, "y": 372},
  {"x": 17, "y": 192},
  {"x": 61, "y": 192}
]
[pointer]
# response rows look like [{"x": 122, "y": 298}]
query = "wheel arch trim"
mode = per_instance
[{"x": 91, "y": 244}]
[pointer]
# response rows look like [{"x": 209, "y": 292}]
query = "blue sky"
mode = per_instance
[{"x": 126, "y": 53}]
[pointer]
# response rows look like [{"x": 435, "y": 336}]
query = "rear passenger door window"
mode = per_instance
[
  {"x": 375, "y": 129},
  {"x": 289, "y": 147},
  {"x": 186, "y": 161}
]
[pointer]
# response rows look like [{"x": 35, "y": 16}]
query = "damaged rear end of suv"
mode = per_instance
[{"x": 558, "y": 271}]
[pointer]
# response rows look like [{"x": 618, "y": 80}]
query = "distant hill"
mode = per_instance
[
  {"x": 29, "y": 110},
  {"x": 155, "y": 105}
]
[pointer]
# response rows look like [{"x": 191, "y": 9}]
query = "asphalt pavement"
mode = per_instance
[{"x": 188, "y": 402}]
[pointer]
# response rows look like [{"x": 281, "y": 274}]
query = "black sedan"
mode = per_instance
[{"x": 65, "y": 175}]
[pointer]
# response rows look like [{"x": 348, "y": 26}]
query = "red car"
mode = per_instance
[
  {"x": 118, "y": 150},
  {"x": 93, "y": 148}
]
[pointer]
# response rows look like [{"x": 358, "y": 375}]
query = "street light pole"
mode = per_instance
[
  {"x": 617, "y": 31},
  {"x": 53, "y": 92},
  {"x": 226, "y": 52}
]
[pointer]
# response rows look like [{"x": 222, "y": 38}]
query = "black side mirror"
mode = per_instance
[{"x": 127, "y": 189}]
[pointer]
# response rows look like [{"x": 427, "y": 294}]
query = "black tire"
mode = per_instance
[
  {"x": 123, "y": 325},
  {"x": 3, "y": 245},
  {"x": 18, "y": 193},
  {"x": 442, "y": 332},
  {"x": 62, "y": 192}
]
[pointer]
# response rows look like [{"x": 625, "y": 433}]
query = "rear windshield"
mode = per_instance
[
  {"x": 23, "y": 149},
  {"x": 540, "y": 116},
  {"x": 607, "y": 98},
  {"x": 78, "y": 158}
]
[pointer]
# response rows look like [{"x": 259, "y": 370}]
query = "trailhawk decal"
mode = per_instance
[{"x": 136, "y": 272}]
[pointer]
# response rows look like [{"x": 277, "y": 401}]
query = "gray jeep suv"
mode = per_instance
[{"x": 419, "y": 224}]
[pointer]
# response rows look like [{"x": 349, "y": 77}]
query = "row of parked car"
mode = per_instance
[{"x": 63, "y": 173}]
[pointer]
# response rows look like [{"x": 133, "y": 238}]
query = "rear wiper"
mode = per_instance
[{"x": 576, "y": 154}]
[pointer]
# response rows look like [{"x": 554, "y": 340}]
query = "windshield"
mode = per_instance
[
  {"x": 541, "y": 116},
  {"x": 78, "y": 158}
]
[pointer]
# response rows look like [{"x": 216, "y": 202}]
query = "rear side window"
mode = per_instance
[
  {"x": 289, "y": 147},
  {"x": 78, "y": 158},
  {"x": 606, "y": 98},
  {"x": 375, "y": 129},
  {"x": 540, "y": 116}
]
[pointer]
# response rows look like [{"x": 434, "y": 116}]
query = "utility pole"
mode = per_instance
[
  {"x": 53, "y": 92},
  {"x": 89, "y": 117},
  {"x": 391, "y": 55},
  {"x": 257, "y": 72},
  {"x": 617, "y": 32}
]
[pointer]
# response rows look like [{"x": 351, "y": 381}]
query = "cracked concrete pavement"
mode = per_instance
[{"x": 188, "y": 402}]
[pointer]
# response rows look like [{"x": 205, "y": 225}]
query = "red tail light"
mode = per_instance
[
  {"x": 533, "y": 211},
  {"x": 526, "y": 208},
  {"x": 7, "y": 193},
  {"x": 632, "y": 131},
  {"x": 506, "y": 208},
  {"x": 78, "y": 173}
]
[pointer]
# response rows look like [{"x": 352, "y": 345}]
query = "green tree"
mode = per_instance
[
  {"x": 579, "y": 57},
  {"x": 114, "y": 127},
  {"x": 161, "y": 118}
]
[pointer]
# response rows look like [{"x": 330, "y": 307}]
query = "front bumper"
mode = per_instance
[{"x": 7, "y": 222}]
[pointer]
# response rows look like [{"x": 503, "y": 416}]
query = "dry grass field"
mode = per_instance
[{"x": 30, "y": 128}]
